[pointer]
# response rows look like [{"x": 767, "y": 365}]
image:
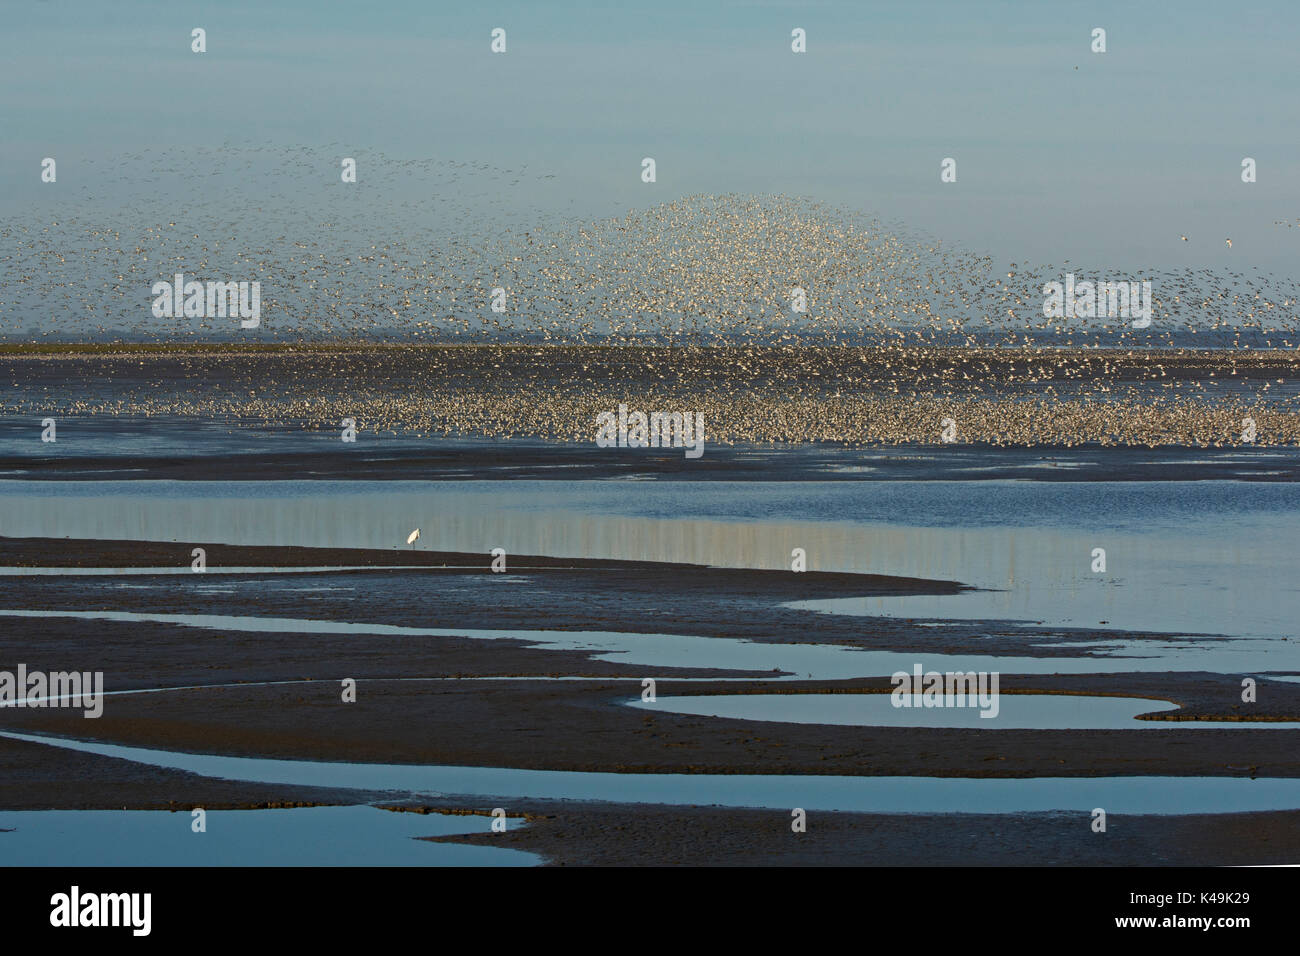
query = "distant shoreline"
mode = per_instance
[
  {"x": 784, "y": 395},
  {"x": 1284, "y": 357}
]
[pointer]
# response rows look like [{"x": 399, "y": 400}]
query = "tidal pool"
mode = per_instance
[
  {"x": 1122, "y": 795},
  {"x": 815, "y": 661},
  {"x": 303, "y": 836},
  {"x": 1012, "y": 712}
]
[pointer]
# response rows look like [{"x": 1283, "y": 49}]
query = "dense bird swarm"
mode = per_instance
[{"x": 682, "y": 306}]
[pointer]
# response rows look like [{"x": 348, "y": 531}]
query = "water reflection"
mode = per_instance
[{"x": 1181, "y": 557}]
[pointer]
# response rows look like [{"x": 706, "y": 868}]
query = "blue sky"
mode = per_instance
[{"x": 1107, "y": 164}]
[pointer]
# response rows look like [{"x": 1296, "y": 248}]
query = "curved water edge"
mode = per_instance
[
  {"x": 1210, "y": 556},
  {"x": 912, "y": 795},
  {"x": 1008, "y": 711},
  {"x": 798, "y": 661},
  {"x": 41, "y": 701},
  {"x": 1029, "y": 711},
  {"x": 302, "y": 836}
]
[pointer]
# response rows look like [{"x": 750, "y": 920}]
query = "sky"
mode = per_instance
[{"x": 1062, "y": 153}]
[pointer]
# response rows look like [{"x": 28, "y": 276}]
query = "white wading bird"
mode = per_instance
[{"x": 410, "y": 538}]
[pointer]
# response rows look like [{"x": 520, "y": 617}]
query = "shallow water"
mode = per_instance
[
  {"x": 1209, "y": 557},
  {"x": 19, "y": 572},
  {"x": 45, "y": 701},
  {"x": 303, "y": 836},
  {"x": 1013, "y": 712},
  {"x": 1133, "y": 795},
  {"x": 809, "y": 661}
]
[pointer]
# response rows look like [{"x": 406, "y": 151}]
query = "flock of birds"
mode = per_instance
[
  {"x": 779, "y": 318},
  {"x": 1032, "y": 395}
]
